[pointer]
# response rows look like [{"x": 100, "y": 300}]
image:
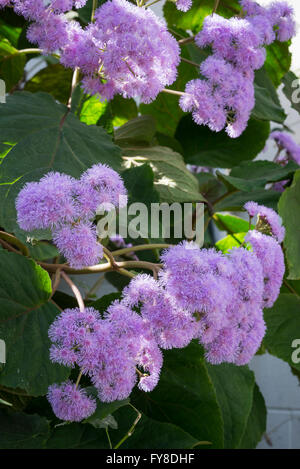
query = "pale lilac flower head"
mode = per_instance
[
  {"x": 286, "y": 142},
  {"x": 70, "y": 403},
  {"x": 127, "y": 51},
  {"x": 224, "y": 99},
  {"x": 268, "y": 220},
  {"x": 271, "y": 257},
  {"x": 61, "y": 6},
  {"x": 100, "y": 185},
  {"x": 49, "y": 33},
  {"x": 72, "y": 335},
  {"x": 183, "y": 5},
  {"x": 199, "y": 281},
  {"x": 5, "y": 3},
  {"x": 234, "y": 40},
  {"x": 78, "y": 243},
  {"x": 30, "y": 9},
  {"x": 172, "y": 326},
  {"x": 281, "y": 15},
  {"x": 46, "y": 203}
]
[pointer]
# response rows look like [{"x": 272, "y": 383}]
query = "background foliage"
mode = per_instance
[{"x": 195, "y": 405}]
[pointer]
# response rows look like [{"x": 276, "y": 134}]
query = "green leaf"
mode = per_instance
[
  {"x": 216, "y": 148},
  {"x": 42, "y": 251},
  {"x": 185, "y": 396},
  {"x": 283, "y": 324},
  {"x": 172, "y": 180},
  {"x": 265, "y": 108},
  {"x": 234, "y": 387},
  {"x": 139, "y": 182},
  {"x": 77, "y": 436},
  {"x": 288, "y": 208},
  {"x": 55, "y": 80},
  {"x": 236, "y": 200},
  {"x": 103, "y": 411},
  {"x": 278, "y": 61},
  {"x": 11, "y": 64},
  {"x": 21, "y": 431},
  {"x": 48, "y": 138},
  {"x": 256, "y": 425},
  {"x": 150, "y": 433},
  {"x": 230, "y": 241},
  {"x": 291, "y": 89},
  {"x": 267, "y": 103},
  {"x": 193, "y": 19},
  {"x": 25, "y": 318},
  {"x": 138, "y": 131},
  {"x": 252, "y": 175},
  {"x": 231, "y": 223},
  {"x": 92, "y": 109}
]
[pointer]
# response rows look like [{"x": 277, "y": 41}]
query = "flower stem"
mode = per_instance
[
  {"x": 78, "y": 379},
  {"x": 108, "y": 437},
  {"x": 75, "y": 80},
  {"x": 74, "y": 289},
  {"x": 177, "y": 93},
  {"x": 140, "y": 247},
  {"x": 94, "y": 8},
  {"x": 186, "y": 40},
  {"x": 99, "y": 267},
  {"x": 131, "y": 429},
  {"x": 190, "y": 62},
  {"x": 152, "y": 3},
  {"x": 215, "y": 6},
  {"x": 11, "y": 239}
]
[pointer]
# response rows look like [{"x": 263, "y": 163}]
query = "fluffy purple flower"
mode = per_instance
[
  {"x": 127, "y": 51},
  {"x": 49, "y": 33},
  {"x": 4, "y": 3},
  {"x": 224, "y": 99},
  {"x": 234, "y": 40},
  {"x": 72, "y": 334},
  {"x": 183, "y": 5},
  {"x": 268, "y": 220},
  {"x": 70, "y": 403},
  {"x": 61, "y": 6},
  {"x": 270, "y": 255},
  {"x": 171, "y": 325},
  {"x": 46, "y": 203},
  {"x": 78, "y": 243},
  {"x": 286, "y": 142},
  {"x": 30, "y": 9},
  {"x": 198, "y": 279},
  {"x": 100, "y": 185}
]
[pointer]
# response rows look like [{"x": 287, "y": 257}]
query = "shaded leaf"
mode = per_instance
[{"x": 25, "y": 318}]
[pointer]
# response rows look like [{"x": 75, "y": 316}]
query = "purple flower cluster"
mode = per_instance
[
  {"x": 288, "y": 150},
  {"x": 223, "y": 293},
  {"x": 67, "y": 206},
  {"x": 287, "y": 145},
  {"x": 70, "y": 403},
  {"x": 200, "y": 294},
  {"x": 127, "y": 51},
  {"x": 225, "y": 97},
  {"x": 183, "y": 5},
  {"x": 270, "y": 254}
]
